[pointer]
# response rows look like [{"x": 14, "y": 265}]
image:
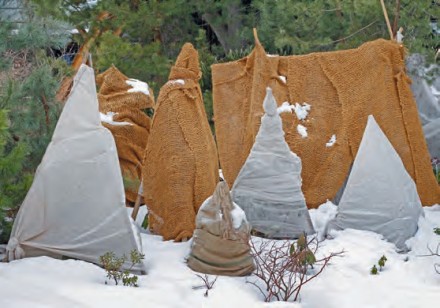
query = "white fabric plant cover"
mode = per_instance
[
  {"x": 432, "y": 135},
  {"x": 380, "y": 195},
  {"x": 268, "y": 186},
  {"x": 75, "y": 207},
  {"x": 428, "y": 102}
]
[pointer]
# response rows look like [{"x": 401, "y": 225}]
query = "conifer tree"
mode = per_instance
[
  {"x": 13, "y": 182},
  {"x": 29, "y": 78}
]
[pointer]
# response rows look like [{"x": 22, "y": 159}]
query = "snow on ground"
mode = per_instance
[{"x": 408, "y": 280}]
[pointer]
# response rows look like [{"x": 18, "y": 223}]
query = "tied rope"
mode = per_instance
[{"x": 14, "y": 250}]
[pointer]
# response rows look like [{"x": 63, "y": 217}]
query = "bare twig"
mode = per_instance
[
  {"x": 207, "y": 284},
  {"x": 434, "y": 253}
]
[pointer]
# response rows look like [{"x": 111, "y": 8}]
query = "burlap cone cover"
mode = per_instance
[
  {"x": 343, "y": 88},
  {"x": 181, "y": 164},
  {"x": 129, "y": 107},
  {"x": 220, "y": 244}
]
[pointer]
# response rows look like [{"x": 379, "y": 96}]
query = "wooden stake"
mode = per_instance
[
  {"x": 138, "y": 202},
  {"x": 137, "y": 205},
  {"x": 257, "y": 41},
  {"x": 385, "y": 14}
]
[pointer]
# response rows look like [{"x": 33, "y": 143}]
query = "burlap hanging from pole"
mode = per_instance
[
  {"x": 128, "y": 105},
  {"x": 343, "y": 88},
  {"x": 181, "y": 164}
]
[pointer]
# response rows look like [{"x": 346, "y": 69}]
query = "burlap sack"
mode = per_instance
[
  {"x": 343, "y": 88},
  {"x": 131, "y": 140},
  {"x": 221, "y": 239},
  {"x": 181, "y": 164}
]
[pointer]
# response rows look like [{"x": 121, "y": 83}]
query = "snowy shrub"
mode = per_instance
[
  {"x": 113, "y": 264},
  {"x": 381, "y": 262},
  {"x": 283, "y": 269},
  {"x": 207, "y": 284}
]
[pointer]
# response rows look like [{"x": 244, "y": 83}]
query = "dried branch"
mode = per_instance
[{"x": 434, "y": 253}]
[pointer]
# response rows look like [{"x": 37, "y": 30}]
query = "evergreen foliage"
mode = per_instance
[
  {"x": 13, "y": 183},
  {"x": 143, "y": 37}
]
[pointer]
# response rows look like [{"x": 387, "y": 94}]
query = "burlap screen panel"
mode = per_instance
[
  {"x": 343, "y": 88},
  {"x": 181, "y": 164},
  {"x": 131, "y": 140}
]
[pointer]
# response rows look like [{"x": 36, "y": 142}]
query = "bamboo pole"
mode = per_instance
[{"x": 385, "y": 14}]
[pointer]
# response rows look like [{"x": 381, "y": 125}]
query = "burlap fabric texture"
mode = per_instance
[
  {"x": 343, "y": 88},
  {"x": 221, "y": 239},
  {"x": 181, "y": 164},
  {"x": 130, "y": 107}
]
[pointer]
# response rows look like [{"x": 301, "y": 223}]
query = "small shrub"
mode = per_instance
[
  {"x": 283, "y": 269},
  {"x": 374, "y": 270},
  {"x": 113, "y": 264},
  {"x": 437, "y": 231}
]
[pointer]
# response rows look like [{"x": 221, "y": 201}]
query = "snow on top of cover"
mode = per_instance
[
  {"x": 138, "y": 86},
  {"x": 108, "y": 118}
]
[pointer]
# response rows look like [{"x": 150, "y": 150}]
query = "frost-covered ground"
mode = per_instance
[{"x": 408, "y": 280}]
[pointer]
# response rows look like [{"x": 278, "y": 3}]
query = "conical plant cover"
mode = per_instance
[
  {"x": 220, "y": 244},
  {"x": 180, "y": 162},
  {"x": 380, "y": 195},
  {"x": 268, "y": 187},
  {"x": 75, "y": 207}
]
